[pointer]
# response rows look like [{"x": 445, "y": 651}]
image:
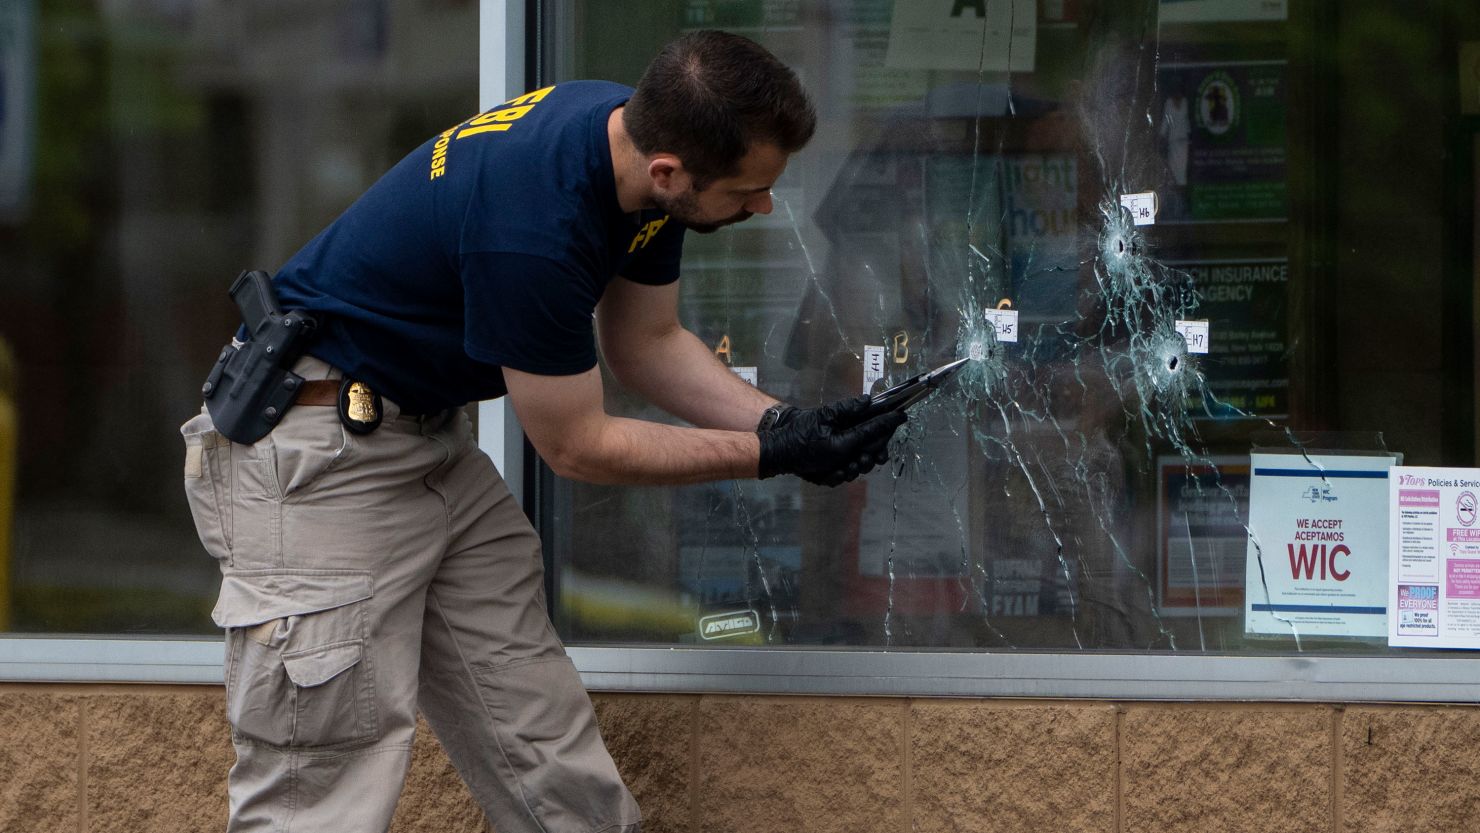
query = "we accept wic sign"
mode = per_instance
[{"x": 1318, "y": 542}]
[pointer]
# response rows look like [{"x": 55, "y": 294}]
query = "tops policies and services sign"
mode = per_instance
[{"x": 1434, "y": 575}]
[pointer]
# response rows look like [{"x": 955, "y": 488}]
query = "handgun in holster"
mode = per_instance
[{"x": 252, "y": 385}]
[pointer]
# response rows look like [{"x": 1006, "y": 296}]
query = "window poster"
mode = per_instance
[
  {"x": 1201, "y": 511},
  {"x": 705, "y": 14},
  {"x": 907, "y": 533},
  {"x": 1024, "y": 210},
  {"x": 1434, "y": 573},
  {"x": 913, "y": 525},
  {"x": 1318, "y": 545},
  {"x": 971, "y": 35},
  {"x": 1221, "y": 129}
]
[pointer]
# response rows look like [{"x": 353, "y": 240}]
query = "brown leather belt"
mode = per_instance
[{"x": 319, "y": 392}]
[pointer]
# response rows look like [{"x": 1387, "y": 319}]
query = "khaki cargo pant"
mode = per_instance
[{"x": 364, "y": 577}]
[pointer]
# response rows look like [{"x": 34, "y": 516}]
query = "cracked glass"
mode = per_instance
[{"x": 1173, "y": 242}]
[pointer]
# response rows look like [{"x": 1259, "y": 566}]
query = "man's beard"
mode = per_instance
[{"x": 684, "y": 208}]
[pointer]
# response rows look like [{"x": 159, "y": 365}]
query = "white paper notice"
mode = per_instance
[
  {"x": 1320, "y": 564},
  {"x": 873, "y": 367},
  {"x": 1434, "y": 573},
  {"x": 748, "y": 374},
  {"x": 993, "y": 36}
]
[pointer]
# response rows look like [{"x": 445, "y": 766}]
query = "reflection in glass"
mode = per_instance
[
  {"x": 167, "y": 146},
  {"x": 1128, "y": 216}
]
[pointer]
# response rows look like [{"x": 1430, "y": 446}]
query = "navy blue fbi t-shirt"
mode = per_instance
[{"x": 487, "y": 247}]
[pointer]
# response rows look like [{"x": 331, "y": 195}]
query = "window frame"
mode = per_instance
[
  {"x": 845, "y": 672},
  {"x": 505, "y": 51},
  {"x": 870, "y": 671}
]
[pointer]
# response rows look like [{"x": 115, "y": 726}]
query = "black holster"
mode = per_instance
[{"x": 252, "y": 384}]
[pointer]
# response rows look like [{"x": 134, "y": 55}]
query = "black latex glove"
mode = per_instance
[{"x": 828, "y": 445}]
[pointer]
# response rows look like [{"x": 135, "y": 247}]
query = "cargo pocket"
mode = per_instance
[
  {"x": 298, "y": 664},
  {"x": 208, "y": 484}
]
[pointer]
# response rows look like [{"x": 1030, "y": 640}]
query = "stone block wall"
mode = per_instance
[{"x": 115, "y": 758}]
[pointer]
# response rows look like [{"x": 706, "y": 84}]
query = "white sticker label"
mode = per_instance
[
  {"x": 1195, "y": 333},
  {"x": 1005, "y": 322},
  {"x": 1141, "y": 206},
  {"x": 748, "y": 374},
  {"x": 873, "y": 366},
  {"x": 733, "y": 623}
]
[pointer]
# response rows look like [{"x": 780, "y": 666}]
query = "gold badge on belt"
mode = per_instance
[{"x": 360, "y": 408}]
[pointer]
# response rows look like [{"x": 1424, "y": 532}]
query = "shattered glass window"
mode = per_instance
[{"x": 1212, "y": 263}]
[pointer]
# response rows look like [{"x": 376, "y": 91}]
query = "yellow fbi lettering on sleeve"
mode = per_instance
[
  {"x": 501, "y": 119},
  {"x": 497, "y": 120},
  {"x": 647, "y": 233}
]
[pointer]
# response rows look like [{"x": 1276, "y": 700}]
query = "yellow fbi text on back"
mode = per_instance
[{"x": 497, "y": 120}]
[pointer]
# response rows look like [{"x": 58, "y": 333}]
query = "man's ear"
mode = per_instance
[{"x": 667, "y": 173}]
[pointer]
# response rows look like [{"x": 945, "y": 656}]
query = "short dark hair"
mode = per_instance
[{"x": 710, "y": 95}]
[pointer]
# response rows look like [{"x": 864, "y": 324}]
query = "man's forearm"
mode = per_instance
[
  {"x": 679, "y": 374},
  {"x": 633, "y": 451},
  {"x": 566, "y": 422}
]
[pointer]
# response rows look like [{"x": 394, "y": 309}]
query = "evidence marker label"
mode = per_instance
[
  {"x": 1004, "y": 322},
  {"x": 730, "y": 623},
  {"x": 1196, "y": 334},
  {"x": 1142, "y": 207},
  {"x": 873, "y": 366}
]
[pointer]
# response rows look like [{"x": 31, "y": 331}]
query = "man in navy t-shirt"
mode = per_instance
[
  {"x": 373, "y": 561},
  {"x": 487, "y": 248}
]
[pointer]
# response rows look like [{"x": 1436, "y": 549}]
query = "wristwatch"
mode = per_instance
[{"x": 771, "y": 416}]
